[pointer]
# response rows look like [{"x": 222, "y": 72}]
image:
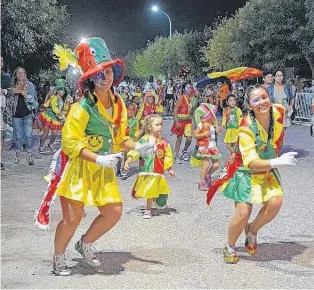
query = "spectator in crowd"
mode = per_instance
[
  {"x": 132, "y": 87},
  {"x": 267, "y": 79},
  {"x": 170, "y": 91},
  {"x": 310, "y": 88},
  {"x": 298, "y": 84},
  {"x": 20, "y": 103},
  {"x": 292, "y": 88},
  {"x": 280, "y": 94},
  {"x": 126, "y": 82},
  {"x": 5, "y": 84},
  {"x": 150, "y": 85}
]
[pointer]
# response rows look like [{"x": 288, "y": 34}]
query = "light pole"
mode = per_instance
[{"x": 155, "y": 9}]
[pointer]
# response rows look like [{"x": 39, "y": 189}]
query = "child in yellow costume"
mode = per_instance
[
  {"x": 231, "y": 120},
  {"x": 151, "y": 182}
]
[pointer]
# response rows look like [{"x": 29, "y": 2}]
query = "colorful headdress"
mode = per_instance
[
  {"x": 205, "y": 111},
  {"x": 91, "y": 58},
  {"x": 61, "y": 84}
]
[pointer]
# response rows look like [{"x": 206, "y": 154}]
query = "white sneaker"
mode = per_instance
[
  {"x": 86, "y": 251},
  {"x": 177, "y": 160},
  {"x": 223, "y": 173},
  {"x": 60, "y": 266},
  {"x": 147, "y": 214},
  {"x": 185, "y": 156}
]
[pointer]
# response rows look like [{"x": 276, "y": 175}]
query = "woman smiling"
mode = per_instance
[{"x": 253, "y": 177}]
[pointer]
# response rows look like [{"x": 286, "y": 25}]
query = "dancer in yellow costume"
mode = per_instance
[
  {"x": 253, "y": 178},
  {"x": 94, "y": 130}
]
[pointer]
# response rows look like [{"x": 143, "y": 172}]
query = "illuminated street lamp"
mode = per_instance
[
  {"x": 156, "y": 9},
  {"x": 83, "y": 40}
]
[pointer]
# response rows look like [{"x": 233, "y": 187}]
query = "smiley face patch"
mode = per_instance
[{"x": 94, "y": 143}]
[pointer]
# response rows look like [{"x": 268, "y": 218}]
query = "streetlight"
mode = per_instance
[
  {"x": 155, "y": 9},
  {"x": 83, "y": 40}
]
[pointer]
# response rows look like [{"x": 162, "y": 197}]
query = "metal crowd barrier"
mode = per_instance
[{"x": 303, "y": 109}]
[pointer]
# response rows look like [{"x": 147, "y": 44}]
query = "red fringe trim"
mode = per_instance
[
  {"x": 49, "y": 124},
  {"x": 231, "y": 170}
]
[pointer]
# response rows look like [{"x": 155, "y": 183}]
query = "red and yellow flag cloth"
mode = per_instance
[{"x": 237, "y": 74}]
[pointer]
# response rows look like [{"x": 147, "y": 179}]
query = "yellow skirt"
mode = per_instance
[
  {"x": 231, "y": 136},
  {"x": 89, "y": 183},
  {"x": 150, "y": 186}
]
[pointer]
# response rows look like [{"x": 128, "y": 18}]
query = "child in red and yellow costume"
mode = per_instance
[
  {"x": 151, "y": 182},
  {"x": 149, "y": 107},
  {"x": 206, "y": 153}
]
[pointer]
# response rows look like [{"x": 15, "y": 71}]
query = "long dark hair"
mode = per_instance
[
  {"x": 90, "y": 85},
  {"x": 249, "y": 92}
]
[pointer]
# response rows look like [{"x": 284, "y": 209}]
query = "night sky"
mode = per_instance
[{"x": 129, "y": 24}]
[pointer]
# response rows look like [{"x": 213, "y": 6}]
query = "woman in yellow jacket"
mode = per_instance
[{"x": 94, "y": 130}]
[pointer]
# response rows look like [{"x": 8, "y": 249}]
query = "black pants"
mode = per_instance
[{"x": 169, "y": 104}]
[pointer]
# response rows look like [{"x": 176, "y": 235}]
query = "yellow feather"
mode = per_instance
[{"x": 65, "y": 56}]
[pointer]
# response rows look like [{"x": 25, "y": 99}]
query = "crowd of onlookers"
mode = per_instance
[{"x": 21, "y": 101}]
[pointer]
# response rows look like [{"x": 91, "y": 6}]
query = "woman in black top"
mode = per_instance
[{"x": 21, "y": 103}]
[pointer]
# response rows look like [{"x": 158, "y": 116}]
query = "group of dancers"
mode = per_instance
[{"x": 100, "y": 130}]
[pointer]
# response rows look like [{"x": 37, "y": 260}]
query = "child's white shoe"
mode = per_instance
[{"x": 147, "y": 214}]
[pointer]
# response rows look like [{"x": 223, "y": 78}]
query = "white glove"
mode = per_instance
[
  {"x": 145, "y": 149},
  {"x": 110, "y": 160},
  {"x": 285, "y": 159}
]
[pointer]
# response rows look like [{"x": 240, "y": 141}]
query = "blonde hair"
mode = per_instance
[
  {"x": 14, "y": 78},
  {"x": 148, "y": 123}
]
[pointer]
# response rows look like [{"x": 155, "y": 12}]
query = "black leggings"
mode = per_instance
[{"x": 169, "y": 104}]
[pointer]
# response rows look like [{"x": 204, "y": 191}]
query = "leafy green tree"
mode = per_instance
[
  {"x": 130, "y": 60},
  {"x": 219, "y": 50},
  {"x": 29, "y": 30},
  {"x": 304, "y": 36},
  {"x": 195, "y": 54},
  {"x": 269, "y": 34},
  {"x": 165, "y": 57}
]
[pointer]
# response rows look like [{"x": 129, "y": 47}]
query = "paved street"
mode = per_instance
[{"x": 177, "y": 248}]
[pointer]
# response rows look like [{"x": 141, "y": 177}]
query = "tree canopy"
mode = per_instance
[
  {"x": 165, "y": 57},
  {"x": 30, "y": 28},
  {"x": 268, "y": 34}
]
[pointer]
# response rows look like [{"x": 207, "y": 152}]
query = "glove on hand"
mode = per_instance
[
  {"x": 110, "y": 160},
  {"x": 285, "y": 159}
]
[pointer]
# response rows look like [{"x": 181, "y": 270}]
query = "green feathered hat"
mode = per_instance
[
  {"x": 60, "y": 84},
  {"x": 90, "y": 58}
]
